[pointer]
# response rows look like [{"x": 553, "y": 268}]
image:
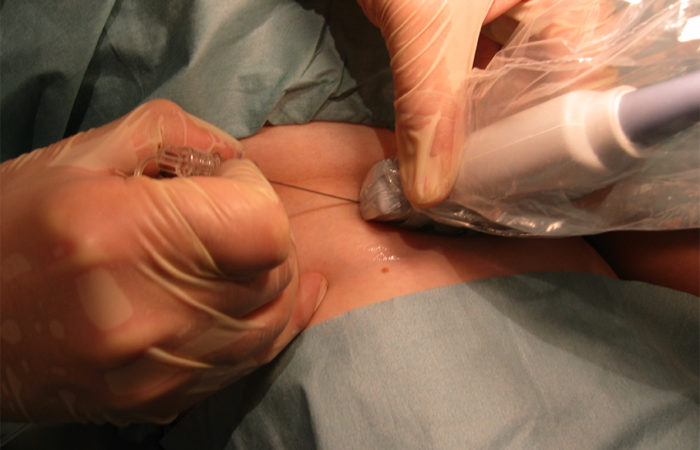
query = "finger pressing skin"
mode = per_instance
[
  {"x": 432, "y": 45},
  {"x": 122, "y": 144}
]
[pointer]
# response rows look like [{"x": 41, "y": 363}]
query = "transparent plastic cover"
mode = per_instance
[{"x": 553, "y": 47}]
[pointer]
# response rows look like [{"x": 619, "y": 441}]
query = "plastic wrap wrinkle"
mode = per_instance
[{"x": 560, "y": 46}]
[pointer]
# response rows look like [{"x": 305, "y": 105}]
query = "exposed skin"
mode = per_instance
[
  {"x": 366, "y": 263},
  {"x": 666, "y": 258}
]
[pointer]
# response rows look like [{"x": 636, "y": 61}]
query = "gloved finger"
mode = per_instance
[
  {"x": 312, "y": 290},
  {"x": 432, "y": 46},
  {"x": 193, "y": 237},
  {"x": 499, "y": 7},
  {"x": 232, "y": 225},
  {"x": 123, "y": 143},
  {"x": 174, "y": 373},
  {"x": 146, "y": 390},
  {"x": 236, "y": 297},
  {"x": 225, "y": 340},
  {"x": 242, "y": 344},
  {"x": 187, "y": 318},
  {"x": 271, "y": 328}
]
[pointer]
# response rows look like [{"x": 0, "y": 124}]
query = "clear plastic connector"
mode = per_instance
[{"x": 181, "y": 162}]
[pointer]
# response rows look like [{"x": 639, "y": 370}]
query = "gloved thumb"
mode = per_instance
[
  {"x": 237, "y": 228},
  {"x": 432, "y": 46},
  {"x": 236, "y": 215}
]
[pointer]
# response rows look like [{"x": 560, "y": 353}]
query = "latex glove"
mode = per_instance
[
  {"x": 129, "y": 298},
  {"x": 432, "y": 45}
]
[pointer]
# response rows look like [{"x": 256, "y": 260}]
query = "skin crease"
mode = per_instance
[{"x": 333, "y": 239}]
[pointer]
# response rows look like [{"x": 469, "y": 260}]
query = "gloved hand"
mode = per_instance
[
  {"x": 432, "y": 45},
  {"x": 129, "y": 298}
]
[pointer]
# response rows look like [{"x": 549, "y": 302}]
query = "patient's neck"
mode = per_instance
[{"x": 367, "y": 263}]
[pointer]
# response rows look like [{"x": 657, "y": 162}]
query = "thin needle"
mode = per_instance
[{"x": 338, "y": 197}]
